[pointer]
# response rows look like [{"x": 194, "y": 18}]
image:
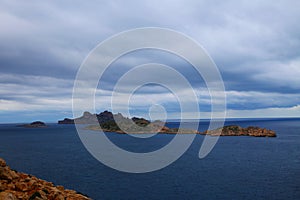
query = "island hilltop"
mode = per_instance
[
  {"x": 106, "y": 121},
  {"x": 36, "y": 124}
]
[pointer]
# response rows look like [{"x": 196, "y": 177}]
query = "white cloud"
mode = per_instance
[
  {"x": 268, "y": 112},
  {"x": 281, "y": 73}
]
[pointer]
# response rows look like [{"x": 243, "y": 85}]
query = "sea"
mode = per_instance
[{"x": 238, "y": 167}]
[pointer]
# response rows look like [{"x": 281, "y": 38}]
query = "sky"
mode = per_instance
[{"x": 254, "y": 44}]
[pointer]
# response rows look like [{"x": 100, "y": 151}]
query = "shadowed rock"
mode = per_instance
[{"x": 66, "y": 121}]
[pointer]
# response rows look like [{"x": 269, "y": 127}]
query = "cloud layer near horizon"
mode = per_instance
[{"x": 255, "y": 45}]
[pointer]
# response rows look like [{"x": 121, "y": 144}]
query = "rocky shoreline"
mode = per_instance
[
  {"x": 15, "y": 185},
  {"x": 231, "y": 130},
  {"x": 234, "y": 130}
]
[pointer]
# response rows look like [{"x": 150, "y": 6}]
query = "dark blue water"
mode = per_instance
[{"x": 237, "y": 168}]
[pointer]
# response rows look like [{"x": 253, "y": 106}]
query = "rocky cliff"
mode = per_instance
[{"x": 15, "y": 185}]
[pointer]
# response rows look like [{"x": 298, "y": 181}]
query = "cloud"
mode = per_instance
[
  {"x": 293, "y": 111},
  {"x": 255, "y": 45}
]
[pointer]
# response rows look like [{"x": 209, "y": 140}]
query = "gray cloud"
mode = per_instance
[{"x": 255, "y": 44}]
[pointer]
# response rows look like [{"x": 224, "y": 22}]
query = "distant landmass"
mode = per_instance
[
  {"x": 36, "y": 124},
  {"x": 88, "y": 118},
  {"x": 106, "y": 121}
]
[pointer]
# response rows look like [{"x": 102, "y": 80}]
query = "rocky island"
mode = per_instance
[
  {"x": 88, "y": 118},
  {"x": 106, "y": 121},
  {"x": 234, "y": 130},
  {"x": 36, "y": 124},
  {"x": 15, "y": 185}
]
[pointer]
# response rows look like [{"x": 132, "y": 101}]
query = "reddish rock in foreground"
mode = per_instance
[{"x": 15, "y": 185}]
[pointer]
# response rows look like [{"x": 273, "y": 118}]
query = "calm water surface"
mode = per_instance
[{"x": 237, "y": 168}]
